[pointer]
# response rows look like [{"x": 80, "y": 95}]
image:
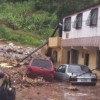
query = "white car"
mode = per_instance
[{"x": 75, "y": 74}]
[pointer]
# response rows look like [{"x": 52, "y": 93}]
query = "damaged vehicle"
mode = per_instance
[
  {"x": 41, "y": 68},
  {"x": 75, "y": 74}
]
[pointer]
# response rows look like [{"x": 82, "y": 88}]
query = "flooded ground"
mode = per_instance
[{"x": 59, "y": 91}]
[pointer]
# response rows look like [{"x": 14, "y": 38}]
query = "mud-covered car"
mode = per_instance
[
  {"x": 41, "y": 68},
  {"x": 75, "y": 74}
]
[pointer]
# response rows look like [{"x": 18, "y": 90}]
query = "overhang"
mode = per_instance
[{"x": 81, "y": 42}]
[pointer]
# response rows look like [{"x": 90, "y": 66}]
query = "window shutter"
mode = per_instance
[
  {"x": 78, "y": 21},
  {"x": 75, "y": 22},
  {"x": 67, "y": 24},
  {"x": 94, "y": 17},
  {"x": 88, "y": 21}
]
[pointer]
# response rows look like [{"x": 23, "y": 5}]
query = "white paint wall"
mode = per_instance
[{"x": 85, "y": 31}]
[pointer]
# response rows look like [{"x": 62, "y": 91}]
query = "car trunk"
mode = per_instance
[{"x": 83, "y": 75}]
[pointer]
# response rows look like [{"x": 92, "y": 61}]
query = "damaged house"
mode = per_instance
[{"x": 80, "y": 39}]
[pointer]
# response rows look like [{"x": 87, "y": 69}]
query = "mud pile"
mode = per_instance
[{"x": 10, "y": 56}]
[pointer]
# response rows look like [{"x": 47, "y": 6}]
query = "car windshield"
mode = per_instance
[
  {"x": 41, "y": 63},
  {"x": 78, "y": 69}
]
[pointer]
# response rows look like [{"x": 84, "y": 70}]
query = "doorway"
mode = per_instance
[
  {"x": 74, "y": 56},
  {"x": 55, "y": 56},
  {"x": 86, "y": 59},
  {"x": 98, "y": 60},
  {"x": 68, "y": 57},
  {"x": 49, "y": 52}
]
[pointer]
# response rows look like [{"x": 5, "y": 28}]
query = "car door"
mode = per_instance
[
  {"x": 61, "y": 73},
  {"x": 57, "y": 72}
]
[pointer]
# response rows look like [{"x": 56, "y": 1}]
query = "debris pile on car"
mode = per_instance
[{"x": 10, "y": 63}]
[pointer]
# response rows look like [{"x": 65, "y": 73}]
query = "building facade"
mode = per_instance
[{"x": 81, "y": 38}]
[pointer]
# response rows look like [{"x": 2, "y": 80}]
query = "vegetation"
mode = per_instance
[
  {"x": 35, "y": 17},
  {"x": 20, "y": 37}
]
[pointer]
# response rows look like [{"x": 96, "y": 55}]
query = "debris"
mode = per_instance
[
  {"x": 10, "y": 64},
  {"x": 72, "y": 88},
  {"x": 11, "y": 44},
  {"x": 5, "y": 65}
]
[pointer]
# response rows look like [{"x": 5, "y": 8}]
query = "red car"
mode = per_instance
[{"x": 41, "y": 68}]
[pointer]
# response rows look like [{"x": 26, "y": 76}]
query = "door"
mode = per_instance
[
  {"x": 68, "y": 57},
  {"x": 98, "y": 59},
  {"x": 49, "y": 52},
  {"x": 55, "y": 56},
  {"x": 61, "y": 73},
  {"x": 74, "y": 59},
  {"x": 86, "y": 59}
]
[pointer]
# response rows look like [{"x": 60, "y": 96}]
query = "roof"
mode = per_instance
[{"x": 84, "y": 9}]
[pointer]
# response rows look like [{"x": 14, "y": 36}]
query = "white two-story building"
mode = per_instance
[{"x": 81, "y": 38}]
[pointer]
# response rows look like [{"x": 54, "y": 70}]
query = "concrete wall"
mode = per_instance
[
  {"x": 85, "y": 31},
  {"x": 54, "y": 42},
  {"x": 64, "y": 55}
]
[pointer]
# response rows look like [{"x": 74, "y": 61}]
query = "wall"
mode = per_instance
[
  {"x": 59, "y": 55},
  {"x": 86, "y": 31},
  {"x": 54, "y": 42},
  {"x": 92, "y": 60},
  {"x": 44, "y": 49}
]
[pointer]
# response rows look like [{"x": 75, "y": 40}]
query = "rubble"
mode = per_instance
[
  {"x": 10, "y": 63},
  {"x": 73, "y": 88}
]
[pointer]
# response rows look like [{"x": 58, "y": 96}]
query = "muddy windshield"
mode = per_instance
[
  {"x": 78, "y": 69},
  {"x": 41, "y": 63}
]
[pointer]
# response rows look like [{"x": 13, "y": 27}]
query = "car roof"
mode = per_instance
[
  {"x": 41, "y": 59},
  {"x": 74, "y": 64}
]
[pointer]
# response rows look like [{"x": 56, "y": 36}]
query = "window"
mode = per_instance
[
  {"x": 78, "y": 22},
  {"x": 98, "y": 60},
  {"x": 59, "y": 69},
  {"x": 41, "y": 63},
  {"x": 92, "y": 19},
  {"x": 78, "y": 69},
  {"x": 67, "y": 24},
  {"x": 62, "y": 69}
]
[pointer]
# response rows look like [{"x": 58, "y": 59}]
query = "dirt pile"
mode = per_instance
[{"x": 10, "y": 63}]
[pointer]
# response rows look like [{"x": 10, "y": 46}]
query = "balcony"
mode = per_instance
[{"x": 54, "y": 42}]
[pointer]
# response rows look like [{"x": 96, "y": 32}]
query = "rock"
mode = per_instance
[{"x": 11, "y": 44}]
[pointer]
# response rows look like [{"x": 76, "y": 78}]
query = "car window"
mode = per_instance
[
  {"x": 41, "y": 63},
  {"x": 59, "y": 69},
  {"x": 78, "y": 69},
  {"x": 62, "y": 69}
]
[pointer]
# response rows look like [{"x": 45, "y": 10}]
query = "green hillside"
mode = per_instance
[{"x": 32, "y": 21}]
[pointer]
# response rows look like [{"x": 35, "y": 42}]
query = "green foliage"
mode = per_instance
[
  {"x": 23, "y": 38},
  {"x": 36, "y": 16}
]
